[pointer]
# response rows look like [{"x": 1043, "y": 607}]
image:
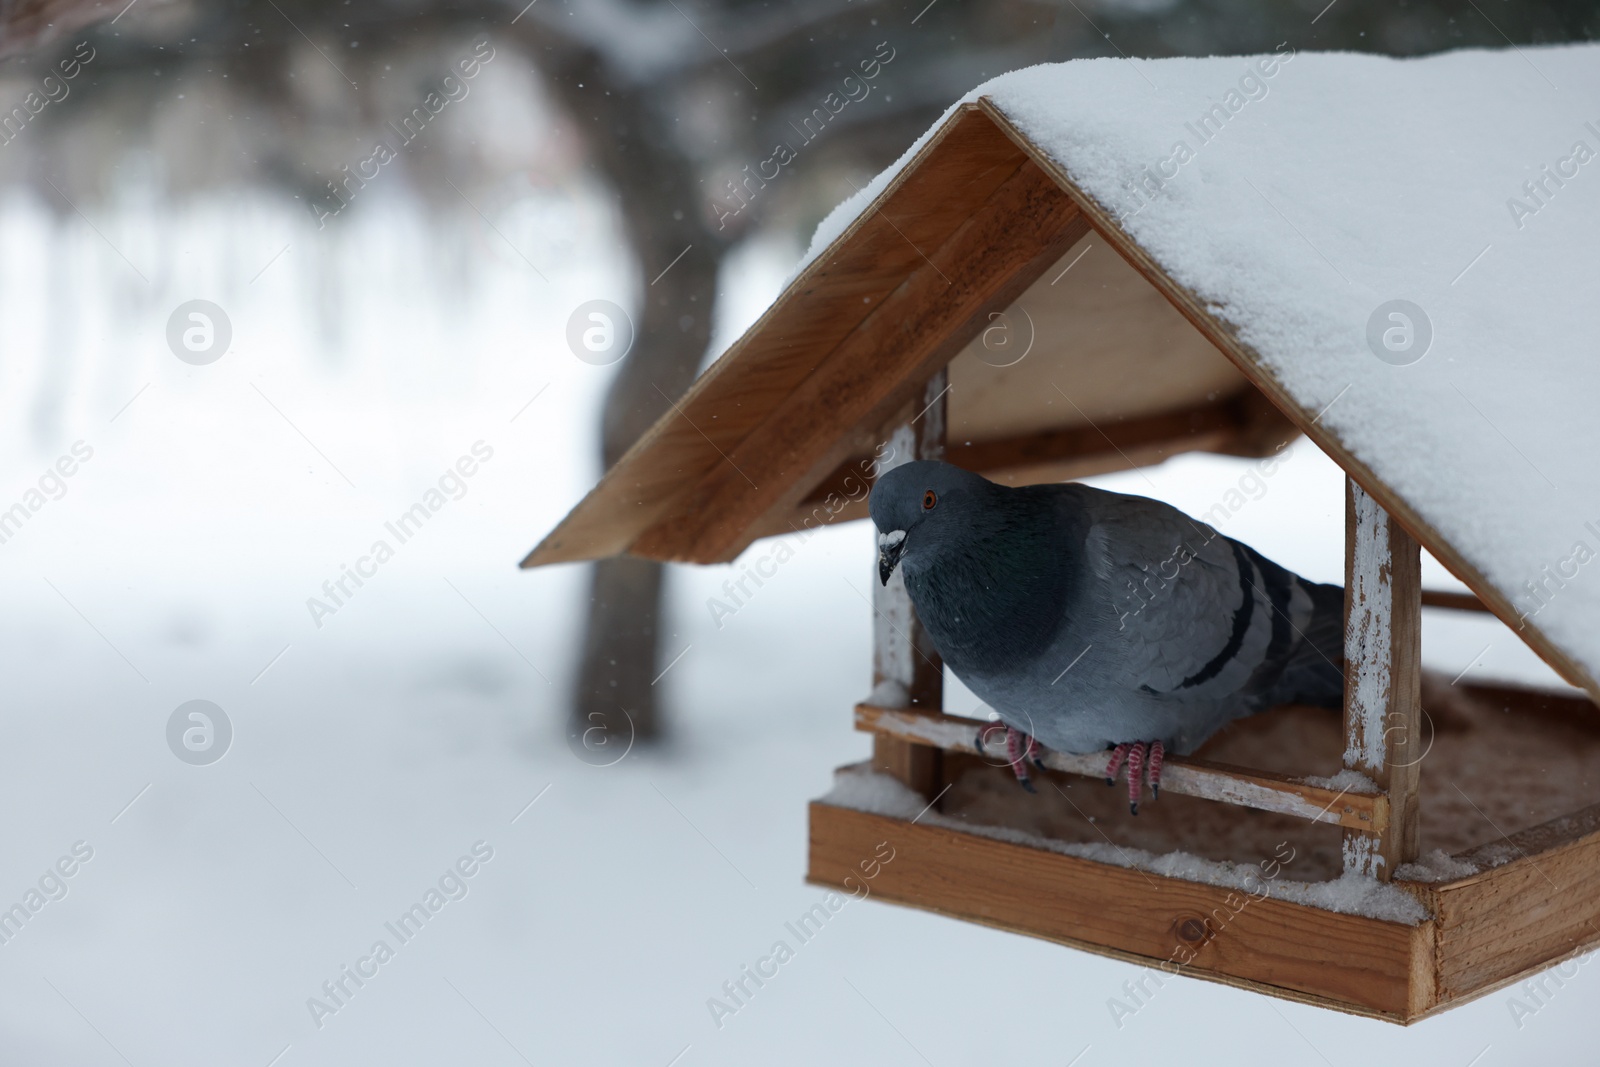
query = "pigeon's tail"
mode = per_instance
[
  {"x": 1304, "y": 661},
  {"x": 1314, "y": 673}
]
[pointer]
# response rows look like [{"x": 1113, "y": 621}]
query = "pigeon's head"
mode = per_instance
[{"x": 923, "y": 508}]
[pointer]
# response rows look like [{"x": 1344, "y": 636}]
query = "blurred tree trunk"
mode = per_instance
[
  {"x": 622, "y": 634},
  {"x": 660, "y": 203}
]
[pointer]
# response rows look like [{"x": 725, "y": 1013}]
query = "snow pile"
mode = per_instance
[
  {"x": 1298, "y": 201},
  {"x": 880, "y": 794},
  {"x": 1496, "y": 854},
  {"x": 889, "y": 694},
  {"x": 1346, "y": 781},
  {"x": 1435, "y": 866}
]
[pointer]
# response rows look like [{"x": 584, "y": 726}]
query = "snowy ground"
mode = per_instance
[{"x": 419, "y": 721}]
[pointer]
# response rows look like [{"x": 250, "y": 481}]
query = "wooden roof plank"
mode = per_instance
[
  {"x": 959, "y": 167},
  {"x": 996, "y": 253}
]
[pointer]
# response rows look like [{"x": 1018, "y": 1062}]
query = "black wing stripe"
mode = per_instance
[
  {"x": 1241, "y": 624},
  {"x": 1278, "y": 583}
]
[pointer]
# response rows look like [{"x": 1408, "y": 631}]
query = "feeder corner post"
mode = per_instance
[
  {"x": 1382, "y": 691},
  {"x": 901, "y": 650}
]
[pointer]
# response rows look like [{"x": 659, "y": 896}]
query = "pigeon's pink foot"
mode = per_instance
[
  {"x": 1118, "y": 754},
  {"x": 1020, "y": 749},
  {"x": 1141, "y": 757}
]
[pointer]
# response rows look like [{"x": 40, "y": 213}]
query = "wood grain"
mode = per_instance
[
  {"x": 1243, "y": 425},
  {"x": 1510, "y": 920},
  {"x": 1452, "y": 600},
  {"x": 902, "y": 651},
  {"x": 1384, "y": 737},
  {"x": 959, "y": 167},
  {"x": 1341, "y": 961},
  {"x": 913, "y": 332}
]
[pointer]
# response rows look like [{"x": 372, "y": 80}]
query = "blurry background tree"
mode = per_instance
[{"x": 668, "y": 106}]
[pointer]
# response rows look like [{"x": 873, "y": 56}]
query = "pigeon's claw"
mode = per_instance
[
  {"x": 1135, "y": 776},
  {"x": 1118, "y": 754},
  {"x": 1021, "y": 749},
  {"x": 1143, "y": 757},
  {"x": 1017, "y": 746}
]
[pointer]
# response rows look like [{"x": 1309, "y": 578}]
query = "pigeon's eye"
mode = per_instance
[{"x": 929, "y": 500}]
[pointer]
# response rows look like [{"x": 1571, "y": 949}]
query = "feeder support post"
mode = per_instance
[
  {"x": 1382, "y": 689},
  {"x": 901, "y": 650}
]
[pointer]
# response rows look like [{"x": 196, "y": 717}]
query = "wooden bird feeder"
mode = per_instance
[{"x": 985, "y": 309}]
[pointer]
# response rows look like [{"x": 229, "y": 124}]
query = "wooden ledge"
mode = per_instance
[
  {"x": 1347, "y": 962},
  {"x": 1453, "y": 601},
  {"x": 1185, "y": 776},
  {"x": 1493, "y": 928}
]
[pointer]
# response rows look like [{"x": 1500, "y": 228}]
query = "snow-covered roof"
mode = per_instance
[{"x": 1403, "y": 254}]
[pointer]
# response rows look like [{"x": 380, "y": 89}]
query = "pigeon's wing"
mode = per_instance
[{"x": 1189, "y": 616}]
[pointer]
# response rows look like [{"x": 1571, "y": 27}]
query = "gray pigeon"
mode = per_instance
[{"x": 1092, "y": 620}]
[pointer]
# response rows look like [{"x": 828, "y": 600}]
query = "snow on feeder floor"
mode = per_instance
[{"x": 1044, "y": 288}]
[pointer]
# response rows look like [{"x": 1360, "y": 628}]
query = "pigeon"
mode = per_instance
[{"x": 1091, "y": 620}]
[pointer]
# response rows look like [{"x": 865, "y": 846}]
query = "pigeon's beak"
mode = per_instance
[{"x": 890, "y": 545}]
